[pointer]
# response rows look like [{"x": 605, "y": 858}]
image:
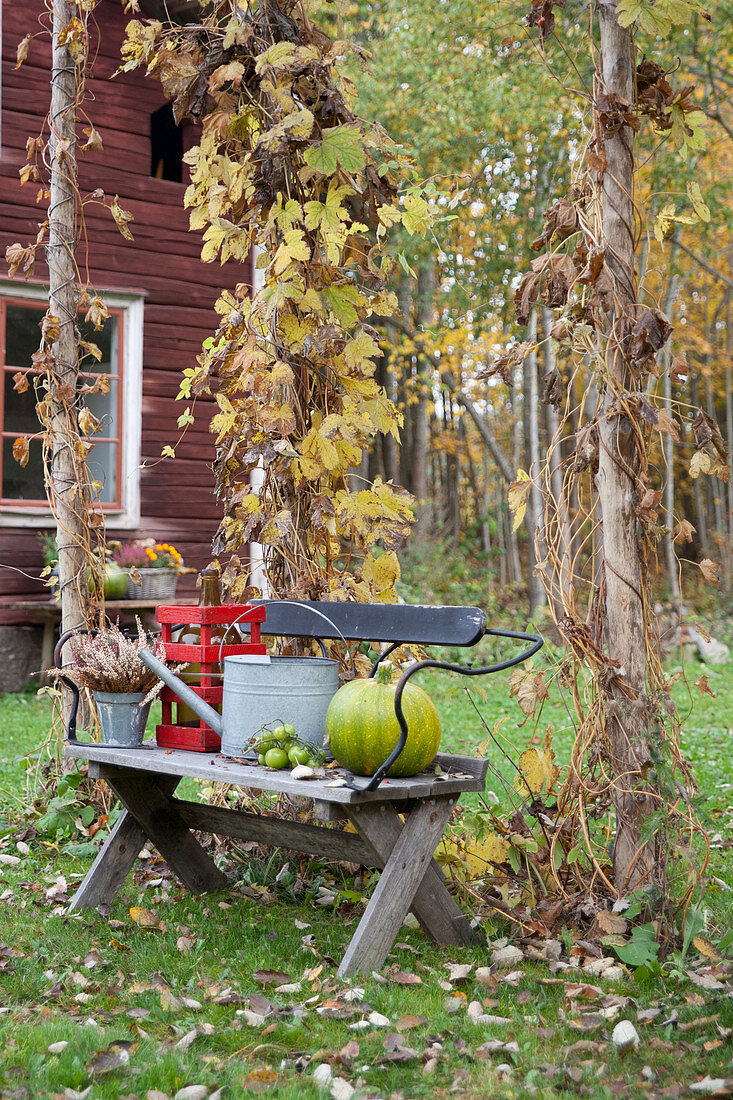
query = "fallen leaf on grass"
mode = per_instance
[
  {"x": 713, "y": 1086},
  {"x": 404, "y": 977},
  {"x": 146, "y": 918},
  {"x": 611, "y": 923},
  {"x": 348, "y": 1053},
  {"x": 580, "y": 991},
  {"x": 260, "y": 1079},
  {"x": 705, "y": 948},
  {"x": 458, "y": 972},
  {"x": 406, "y": 1023},
  {"x": 115, "y": 1056},
  {"x": 704, "y": 981},
  {"x": 271, "y": 977}
]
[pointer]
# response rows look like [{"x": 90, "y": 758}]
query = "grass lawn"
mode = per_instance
[{"x": 237, "y": 992}]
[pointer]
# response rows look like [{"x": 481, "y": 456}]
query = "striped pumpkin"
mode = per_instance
[{"x": 362, "y": 727}]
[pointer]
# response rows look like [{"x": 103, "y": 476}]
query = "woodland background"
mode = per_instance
[{"x": 473, "y": 94}]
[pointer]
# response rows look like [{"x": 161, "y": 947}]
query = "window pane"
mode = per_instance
[
  {"x": 106, "y": 341},
  {"x": 23, "y": 336},
  {"x": 104, "y": 407},
  {"x": 20, "y": 410},
  {"x": 23, "y": 482},
  {"x": 102, "y": 464}
]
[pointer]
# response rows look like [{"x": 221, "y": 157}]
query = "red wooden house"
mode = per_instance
[{"x": 159, "y": 294}]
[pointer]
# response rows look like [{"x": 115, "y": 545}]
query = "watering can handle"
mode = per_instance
[{"x": 320, "y": 614}]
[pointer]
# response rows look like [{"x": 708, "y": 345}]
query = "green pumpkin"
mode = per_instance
[
  {"x": 115, "y": 581},
  {"x": 362, "y": 727}
]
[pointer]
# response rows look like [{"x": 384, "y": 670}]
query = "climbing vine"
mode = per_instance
[
  {"x": 286, "y": 167},
  {"x": 607, "y": 342}
]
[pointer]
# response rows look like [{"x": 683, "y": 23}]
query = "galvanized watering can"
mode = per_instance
[{"x": 261, "y": 691}]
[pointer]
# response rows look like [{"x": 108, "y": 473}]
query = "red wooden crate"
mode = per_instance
[{"x": 209, "y": 655}]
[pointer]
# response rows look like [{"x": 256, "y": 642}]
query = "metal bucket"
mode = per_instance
[
  {"x": 287, "y": 689},
  {"x": 121, "y": 719}
]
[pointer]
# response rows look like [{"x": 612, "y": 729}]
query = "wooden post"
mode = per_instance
[
  {"x": 635, "y": 864},
  {"x": 65, "y": 493}
]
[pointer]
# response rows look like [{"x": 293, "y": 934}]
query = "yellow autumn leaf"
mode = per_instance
[
  {"x": 294, "y": 249},
  {"x": 518, "y": 496},
  {"x": 705, "y": 947},
  {"x": 700, "y": 463},
  {"x": 146, "y": 918},
  {"x": 537, "y": 771},
  {"x": 382, "y": 574}
]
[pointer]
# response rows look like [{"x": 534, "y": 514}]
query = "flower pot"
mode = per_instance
[
  {"x": 155, "y": 584},
  {"x": 121, "y": 719}
]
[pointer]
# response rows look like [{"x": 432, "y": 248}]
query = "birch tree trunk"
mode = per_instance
[
  {"x": 531, "y": 417},
  {"x": 67, "y": 498},
  {"x": 635, "y": 863},
  {"x": 671, "y": 557}
]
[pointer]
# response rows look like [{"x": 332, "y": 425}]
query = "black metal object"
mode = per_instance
[
  {"x": 413, "y": 624},
  {"x": 71, "y": 724},
  {"x": 419, "y": 624},
  {"x": 537, "y": 644}
]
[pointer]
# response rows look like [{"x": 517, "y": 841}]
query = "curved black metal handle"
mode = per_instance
[
  {"x": 536, "y": 645},
  {"x": 75, "y": 698}
]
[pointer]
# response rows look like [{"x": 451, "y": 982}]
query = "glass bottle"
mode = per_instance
[{"x": 190, "y": 634}]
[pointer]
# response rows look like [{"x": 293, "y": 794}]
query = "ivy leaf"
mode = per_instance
[
  {"x": 709, "y": 570},
  {"x": 518, "y": 496},
  {"x": 21, "y": 450},
  {"x": 698, "y": 205},
  {"x": 342, "y": 300},
  {"x": 359, "y": 352},
  {"x": 294, "y": 249},
  {"x": 538, "y": 770},
  {"x": 416, "y": 215},
  {"x": 275, "y": 57},
  {"x": 700, "y": 463},
  {"x": 121, "y": 217},
  {"x": 341, "y": 146}
]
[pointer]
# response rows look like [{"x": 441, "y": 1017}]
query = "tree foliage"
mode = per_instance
[{"x": 286, "y": 166}]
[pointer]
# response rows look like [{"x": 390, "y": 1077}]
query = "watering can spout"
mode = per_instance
[{"x": 184, "y": 693}]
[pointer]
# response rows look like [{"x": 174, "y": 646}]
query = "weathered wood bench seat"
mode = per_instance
[{"x": 398, "y": 822}]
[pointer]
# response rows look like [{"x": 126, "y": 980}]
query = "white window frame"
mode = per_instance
[{"x": 127, "y": 514}]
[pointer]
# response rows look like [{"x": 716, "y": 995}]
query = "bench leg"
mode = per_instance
[
  {"x": 145, "y": 797},
  {"x": 126, "y": 839},
  {"x": 440, "y": 916},
  {"x": 409, "y": 859}
]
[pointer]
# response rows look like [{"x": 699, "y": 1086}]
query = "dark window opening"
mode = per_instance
[{"x": 166, "y": 146}]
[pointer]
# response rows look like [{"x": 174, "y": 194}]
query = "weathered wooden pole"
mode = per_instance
[
  {"x": 636, "y": 864},
  {"x": 65, "y": 492}
]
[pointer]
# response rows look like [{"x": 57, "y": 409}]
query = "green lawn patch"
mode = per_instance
[{"x": 237, "y": 991}]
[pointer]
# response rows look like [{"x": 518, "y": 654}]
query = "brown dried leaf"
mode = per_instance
[
  {"x": 115, "y": 1056},
  {"x": 705, "y": 947},
  {"x": 683, "y": 531},
  {"x": 649, "y": 334},
  {"x": 710, "y": 570},
  {"x": 21, "y": 450},
  {"x": 704, "y": 688},
  {"x": 21, "y": 53},
  {"x": 611, "y": 924},
  {"x": 271, "y": 977}
]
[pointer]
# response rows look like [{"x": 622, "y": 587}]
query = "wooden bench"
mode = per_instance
[{"x": 398, "y": 822}]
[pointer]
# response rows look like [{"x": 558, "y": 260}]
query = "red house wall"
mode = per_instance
[{"x": 162, "y": 264}]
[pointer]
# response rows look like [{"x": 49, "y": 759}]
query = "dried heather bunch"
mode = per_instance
[{"x": 109, "y": 661}]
